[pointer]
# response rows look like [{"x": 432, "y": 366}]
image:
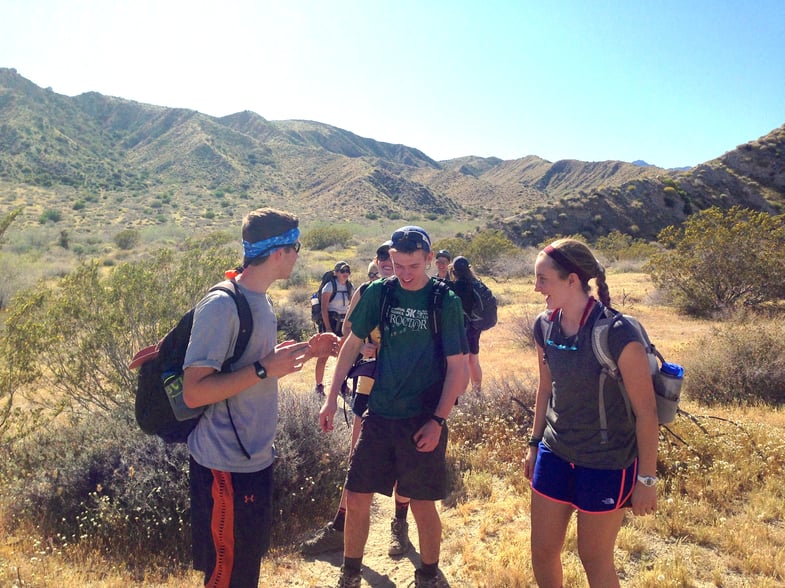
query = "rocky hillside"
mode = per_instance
[{"x": 130, "y": 164}]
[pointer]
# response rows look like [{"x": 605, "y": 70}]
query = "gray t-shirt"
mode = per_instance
[
  {"x": 572, "y": 419},
  {"x": 213, "y": 443}
]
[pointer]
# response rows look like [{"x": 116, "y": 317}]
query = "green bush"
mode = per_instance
[
  {"x": 101, "y": 483},
  {"x": 718, "y": 260},
  {"x": 618, "y": 246},
  {"x": 127, "y": 239},
  {"x": 741, "y": 363},
  {"x": 102, "y": 319},
  {"x": 481, "y": 249},
  {"x": 321, "y": 238},
  {"x": 52, "y": 215}
]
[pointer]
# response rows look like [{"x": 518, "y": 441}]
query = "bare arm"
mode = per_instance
[
  {"x": 544, "y": 389},
  {"x": 634, "y": 367},
  {"x": 205, "y": 385},
  {"x": 349, "y": 350},
  {"x": 455, "y": 380}
]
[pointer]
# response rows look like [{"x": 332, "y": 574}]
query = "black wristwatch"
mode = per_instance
[
  {"x": 260, "y": 370},
  {"x": 439, "y": 420}
]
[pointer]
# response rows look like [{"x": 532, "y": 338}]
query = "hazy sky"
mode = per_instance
[{"x": 672, "y": 82}]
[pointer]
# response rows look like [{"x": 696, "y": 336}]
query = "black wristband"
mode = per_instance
[{"x": 534, "y": 441}]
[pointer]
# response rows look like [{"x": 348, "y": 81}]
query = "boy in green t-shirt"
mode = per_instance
[{"x": 404, "y": 435}]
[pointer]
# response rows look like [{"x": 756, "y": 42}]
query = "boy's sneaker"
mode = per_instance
[
  {"x": 399, "y": 537},
  {"x": 349, "y": 578},
  {"x": 319, "y": 389},
  {"x": 437, "y": 581},
  {"x": 328, "y": 538}
]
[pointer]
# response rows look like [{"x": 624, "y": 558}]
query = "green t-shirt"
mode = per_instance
[{"x": 411, "y": 366}]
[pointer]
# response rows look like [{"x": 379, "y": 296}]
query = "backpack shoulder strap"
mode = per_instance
[
  {"x": 435, "y": 304},
  {"x": 599, "y": 341},
  {"x": 388, "y": 287},
  {"x": 243, "y": 337},
  {"x": 601, "y": 349},
  {"x": 245, "y": 316}
]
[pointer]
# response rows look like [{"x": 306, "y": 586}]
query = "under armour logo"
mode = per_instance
[{"x": 248, "y": 499}]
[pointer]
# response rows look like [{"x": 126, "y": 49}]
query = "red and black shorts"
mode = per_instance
[{"x": 231, "y": 520}]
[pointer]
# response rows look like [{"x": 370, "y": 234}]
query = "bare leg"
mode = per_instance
[
  {"x": 321, "y": 363},
  {"x": 475, "y": 371},
  {"x": 429, "y": 529},
  {"x": 549, "y": 522},
  {"x": 596, "y": 540},
  {"x": 358, "y": 523}
]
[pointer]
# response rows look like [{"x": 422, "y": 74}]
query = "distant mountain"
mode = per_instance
[{"x": 107, "y": 161}]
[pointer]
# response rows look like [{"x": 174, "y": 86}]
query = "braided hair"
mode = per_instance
[{"x": 570, "y": 256}]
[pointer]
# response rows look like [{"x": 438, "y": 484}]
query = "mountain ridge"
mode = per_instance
[{"x": 178, "y": 165}]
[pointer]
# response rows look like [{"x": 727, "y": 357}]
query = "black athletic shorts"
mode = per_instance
[
  {"x": 231, "y": 519},
  {"x": 385, "y": 453}
]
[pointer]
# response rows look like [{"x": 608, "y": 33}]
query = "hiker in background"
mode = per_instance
[
  {"x": 442, "y": 263},
  {"x": 570, "y": 468},
  {"x": 335, "y": 296},
  {"x": 403, "y": 438},
  {"x": 330, "y": 537},
  {"x": 231, "y": 448},
  {"x": 462, "y": 283}
]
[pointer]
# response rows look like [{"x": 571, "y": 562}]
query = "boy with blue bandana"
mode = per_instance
[{"x": 231, "y": 447}]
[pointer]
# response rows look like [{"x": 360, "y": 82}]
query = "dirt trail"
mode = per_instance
[{"x": 379, "y": 569}]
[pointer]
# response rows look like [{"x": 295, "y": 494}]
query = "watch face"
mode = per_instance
[
  {"x": 260, "y": 370},
  {"x": 647, "y": 480}
]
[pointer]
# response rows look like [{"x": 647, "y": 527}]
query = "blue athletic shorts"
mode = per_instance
[{"x": 587, "y": 489}]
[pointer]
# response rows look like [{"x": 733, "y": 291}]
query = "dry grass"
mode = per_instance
[{"x": 719, "y": 521}]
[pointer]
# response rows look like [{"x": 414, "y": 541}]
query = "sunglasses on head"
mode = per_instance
[
  {"x": 344, "y": 270},
  {"x": 383, "y": 256},
  {"x": 410, "y": 240}
]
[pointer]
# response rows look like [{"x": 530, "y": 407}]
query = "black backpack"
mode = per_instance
[
  {"x": 159, "y": 406},
  {"x": 484, "y": 310}
]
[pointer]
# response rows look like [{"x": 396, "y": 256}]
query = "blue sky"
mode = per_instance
[{"x": 674, "y": 83}]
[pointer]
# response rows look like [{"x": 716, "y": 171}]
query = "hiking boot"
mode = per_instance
[
  {"x": 349, "y": 578},
  {"x": 319, "y": 389},
  {"x": 437, "y": 581},
  {"x": 399, "y": 537},
  {"x": 328, "y": 538}
]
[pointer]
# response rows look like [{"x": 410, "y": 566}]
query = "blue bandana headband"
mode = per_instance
[{"x": 268, "y": 246}]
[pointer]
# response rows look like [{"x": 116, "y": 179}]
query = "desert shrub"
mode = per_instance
[
  {"x": 722, "y": 260},
  {"x": 489, "y": 431},
  {"x": 102, "y": 317},
  {"x": 617, "y": 246},
  {"x": 521, "y": 328},
  {"x": 517, "y": 264},
  {"x": 482, "y": 249},
  {"x": 294, "y": 322},
  {"x": 50, "y": 214},
  {"x": 740, "y": 363},
  {"x": 113, "y": 490},
  {"x": 321, "y": 238},
  {"x": 310, "y": 466},
  {"x": 127, "y": 239},
  {"x": 125, "y": 494}
]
